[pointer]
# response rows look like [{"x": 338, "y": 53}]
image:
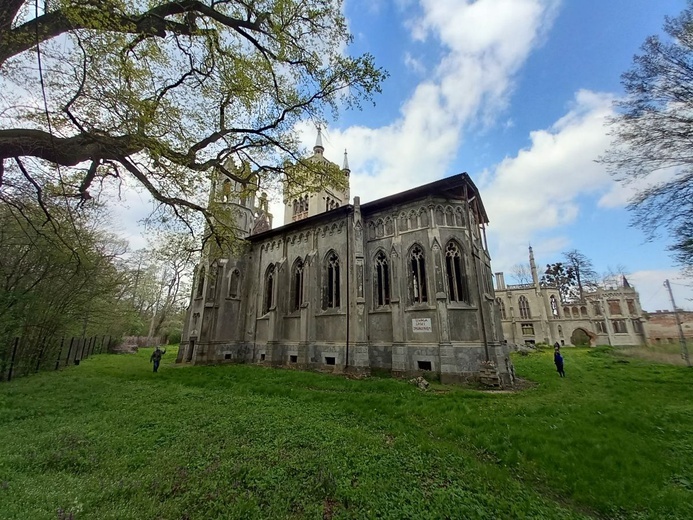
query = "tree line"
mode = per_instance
[{"x": 68, "y": 276}]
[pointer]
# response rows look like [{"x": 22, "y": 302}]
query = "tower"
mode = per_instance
[
  {"x": 234, "y": 201},
  {"x": 299, "y": 205}
]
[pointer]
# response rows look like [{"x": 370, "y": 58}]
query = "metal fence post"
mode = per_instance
[
  {"x": 14, "y": 353},
  {"x": 69, "y": 351},
  {"x": 40, "y": 356},
  {"x": 60, "y": 352}
]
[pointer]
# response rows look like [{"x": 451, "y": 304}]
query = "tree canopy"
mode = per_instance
[
  {"x": 168, "y": 93},
  {"x": 653, "y": 132},
  {"x": 571, "y": 277}
]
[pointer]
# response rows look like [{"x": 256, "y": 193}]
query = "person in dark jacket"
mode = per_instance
[
  {"x": 558, "y": 359},
  {"x": 156, "y": 358}
]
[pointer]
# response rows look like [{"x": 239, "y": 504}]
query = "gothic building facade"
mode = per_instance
[
  {"x": 534, "y": 313},
  {"x": 402, "y": 284}
]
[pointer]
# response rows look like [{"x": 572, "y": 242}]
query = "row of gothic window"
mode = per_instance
[
  {"x": 415, "y": 220},
  {"x": 575, "y": 312},
  {"x": 331, "y": 204},
  {"x": 300, "y": 205},
  {"x": 458, "y": 286},
  {"x": 522, "y": 303},
  {"x": 455, "y": 275}
]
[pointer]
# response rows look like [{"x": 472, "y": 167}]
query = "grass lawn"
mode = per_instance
[{"x": 111, "y": 440}]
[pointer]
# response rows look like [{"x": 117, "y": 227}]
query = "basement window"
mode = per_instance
[
  {"x": 227, "y": 356},
  {"x": 293, "y": 359},
  {"x": 425, "y": 365},
  {"x": 330, "y": 360},
  {"x": 262, "y": 357}
]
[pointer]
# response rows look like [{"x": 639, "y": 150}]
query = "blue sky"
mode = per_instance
[{"x": 513, "y": 92}]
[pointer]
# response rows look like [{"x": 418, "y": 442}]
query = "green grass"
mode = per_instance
[{"x": 111, "y": 440}]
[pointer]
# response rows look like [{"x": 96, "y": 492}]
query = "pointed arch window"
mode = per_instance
[
  {"x": 523, "y": 304},
  {"x": 297, "y": 285},
  {"x": 234, "y": 282},
  {"x": 332, "y": 278},
  {"x": 268, "y": 296},
  {"x": 501, "y": 306},
  {"x": 554, "y": 306},
  {"x": 200, "y": 283},
  {"x": 382, "y": 280},
  {"x": 423, "y": 217},
  {"x": 213, "y": 278},
  {"x": 458, "y": 288},
  {"x": 419, "y": 290},
  {"x": 226, "y": 191}
]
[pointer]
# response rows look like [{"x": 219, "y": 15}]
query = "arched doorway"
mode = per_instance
[{"x": 582, "y": 337}]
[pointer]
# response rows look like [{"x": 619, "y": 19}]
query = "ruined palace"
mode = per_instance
[{"x": 534, "y": 313}]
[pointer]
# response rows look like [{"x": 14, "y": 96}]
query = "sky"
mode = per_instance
[{"x": 515, "y": 93}]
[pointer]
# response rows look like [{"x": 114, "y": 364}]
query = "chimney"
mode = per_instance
[{"x": 500, "y": 282}]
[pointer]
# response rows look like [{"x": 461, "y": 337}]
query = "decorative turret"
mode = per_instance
[
  {"x": 318, "y": 149},
  {"x": 347, "y": 172},
  {"x": 533, "y": 266},
  {"x": 345, "y": 166}
]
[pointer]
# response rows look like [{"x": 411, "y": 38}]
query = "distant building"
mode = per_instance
[
  {"x": 662, "y": 328},
  {"x": 534, "y": 313},
  {"x": 402, "y": 284}
]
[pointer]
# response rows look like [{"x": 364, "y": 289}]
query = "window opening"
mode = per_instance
[
  {"x": 233, "y": 283},
  {"x": 523, "y": 304},
  {"x": 382, "y": 280},
  {"x": 425, "y": 365},
  {"x": 333, "y": 281},
  {"x": 297, "y": 285},
  {"x": 418, "y": 270},
  {"x": 501, "y": 305},
  {"x": 457, "y": 277},
  {"x": 269, "y": 290},
  {"x": 201, "y": 283}
]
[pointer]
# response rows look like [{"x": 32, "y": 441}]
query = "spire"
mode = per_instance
[
  {"x": 533, "y": 267},
  {"x": 318, "y": 149},
  {"x": 345, "y": 167}
]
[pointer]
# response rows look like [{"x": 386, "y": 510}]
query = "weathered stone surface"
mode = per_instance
[{"x": 401, "y": 284}]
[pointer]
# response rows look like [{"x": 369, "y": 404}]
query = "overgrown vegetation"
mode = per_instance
[
  {"x": 63, "y": 275},
  {"x": 165, "y": 95},
  {"x": 110, "y": 439},
  {"x": 652, "y": 130}
]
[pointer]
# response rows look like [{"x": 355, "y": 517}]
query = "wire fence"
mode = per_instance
[{"x": 20, "y": 356}]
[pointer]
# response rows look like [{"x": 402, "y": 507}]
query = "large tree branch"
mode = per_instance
[
  {"x": 65, "y": 151},
  {"x": 150, "y": 23}
]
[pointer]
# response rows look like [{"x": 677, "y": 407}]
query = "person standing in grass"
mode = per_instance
[
  {"x": 558, "y": 359},
  {"x": 156, "y": 358}
]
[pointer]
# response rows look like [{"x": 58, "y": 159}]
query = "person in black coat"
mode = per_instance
[
  {"x": 156, "y": 358},
  {"x": 558, "y": 359}
]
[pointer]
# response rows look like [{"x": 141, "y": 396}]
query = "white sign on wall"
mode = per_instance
[{"x": 421, "y": 325}]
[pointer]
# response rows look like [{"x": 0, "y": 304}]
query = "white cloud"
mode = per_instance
[
  {"x": 620, "y": 194},
  {"x": 414, "y": 64},
  {"x": 469, "y": 84},
  {"x": 654, "y": 296},
  {"x": 538, "y": 190}
]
